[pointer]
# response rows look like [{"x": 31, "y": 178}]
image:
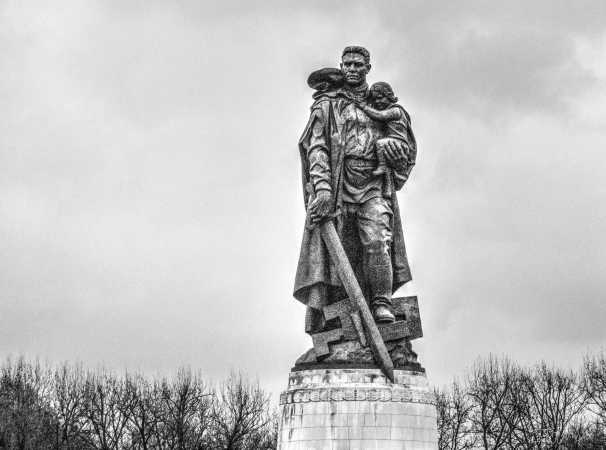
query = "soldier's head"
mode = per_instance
[
  {"x": 355, "y": 64},
  {"x": 381, "y": 95}
]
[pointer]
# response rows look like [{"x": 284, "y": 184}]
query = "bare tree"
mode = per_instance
[
  {"x": 547, "y": 400},
  {"x": 270, "y": 433},
  {"x": 265, "y": 438},
  {"x": 26, "y": 419},
  {"x": 492, "y": 384},
  {"x": 68, "y": 404},
  {"x": 594, "y": 383},
  {"x": 143, "y": 412},
  {"x": 185, "y": 411},
  {"x": 584, "y": 435},
  {"x": 68, "y": 409},
  {"x": 454, "y": 413},
  {"x": 105, "y": 410},
  {"x": 240, "y": 416}
]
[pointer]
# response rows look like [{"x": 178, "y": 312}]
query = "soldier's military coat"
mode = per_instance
[{"x": 326, "y": 145}]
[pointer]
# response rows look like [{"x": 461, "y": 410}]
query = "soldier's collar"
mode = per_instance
[{"x": 357, "y": 93}]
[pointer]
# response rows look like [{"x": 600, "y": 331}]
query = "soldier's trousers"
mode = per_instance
[{"x": 368, "y": 227}]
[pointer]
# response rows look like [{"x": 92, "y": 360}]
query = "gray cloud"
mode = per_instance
[
  {"x": 491, "y": 60},
  {"x": 150, "y": 206}
]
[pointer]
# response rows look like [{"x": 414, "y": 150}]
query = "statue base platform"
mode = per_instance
[{"x": 349, "y": 408}]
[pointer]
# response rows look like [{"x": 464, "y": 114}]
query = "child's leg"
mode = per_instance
[{"x": 381, "y": 164}]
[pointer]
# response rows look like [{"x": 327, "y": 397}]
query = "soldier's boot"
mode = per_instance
[
  {"x": 382, "y": 314},
  {"x": 380, "y": 280}
]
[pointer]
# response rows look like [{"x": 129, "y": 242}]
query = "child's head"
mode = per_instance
[
  {"x": 326, "y": 79},
  {"x": 381, "y": 95}
]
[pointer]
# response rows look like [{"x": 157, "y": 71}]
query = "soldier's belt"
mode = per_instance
[{"x": 359, "y": 162}]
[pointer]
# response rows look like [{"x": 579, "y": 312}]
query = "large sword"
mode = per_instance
[{"x": 352, "y": 288}]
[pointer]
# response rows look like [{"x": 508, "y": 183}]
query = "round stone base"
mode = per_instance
[{"x": 357, "y": 409}]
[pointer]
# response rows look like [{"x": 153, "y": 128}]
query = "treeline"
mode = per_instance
[
  {"x": 498, "y": 405},
  {"x": 501, "y": 405},
  {"x": 66, "y": 408}
]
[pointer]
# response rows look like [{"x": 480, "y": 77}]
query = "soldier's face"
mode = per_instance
[{"x": 354, "y": 68}]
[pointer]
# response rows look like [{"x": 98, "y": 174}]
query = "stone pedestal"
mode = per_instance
[{"x": 357, "y": 409}]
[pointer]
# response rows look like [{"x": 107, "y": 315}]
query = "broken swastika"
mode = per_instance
[{"x": 407, "y": 324}]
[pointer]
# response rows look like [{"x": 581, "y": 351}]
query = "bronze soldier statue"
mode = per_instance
[
  {"x": 341, "y": 182},
  {"x": 357, "y": 151}
]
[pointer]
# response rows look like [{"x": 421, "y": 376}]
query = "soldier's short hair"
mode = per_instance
[{"x": 358, "y": 50}]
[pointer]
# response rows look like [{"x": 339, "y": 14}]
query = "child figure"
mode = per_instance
[{"x": 385, "y": 109}]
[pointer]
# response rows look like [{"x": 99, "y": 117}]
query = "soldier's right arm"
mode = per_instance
[{"x": 318, "y": 152}]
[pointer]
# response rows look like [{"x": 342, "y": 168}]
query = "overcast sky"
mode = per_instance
[{"x": 150, "y": 201}]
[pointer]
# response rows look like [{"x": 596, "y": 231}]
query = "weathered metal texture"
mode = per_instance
[
  {"x": 408, "y": 326},
  {"x": 350, "y": 283},
  {"x": 408, "y": 307},
  {"x": 321, "y": 340},
  {"x": 342, "y": 310}
]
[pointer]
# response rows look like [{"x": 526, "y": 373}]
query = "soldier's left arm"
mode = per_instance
[{"x": 401, "y": 156}]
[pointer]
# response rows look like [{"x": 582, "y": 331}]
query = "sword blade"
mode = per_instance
[{"x": 352, "y": 287}]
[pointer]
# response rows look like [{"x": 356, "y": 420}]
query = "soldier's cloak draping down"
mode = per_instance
[{"x": 317, "y": 283}]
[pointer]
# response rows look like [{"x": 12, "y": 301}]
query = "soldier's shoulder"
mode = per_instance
[
  {"x": 326, "y": 98},
  {"x": 322, "y": 101}
]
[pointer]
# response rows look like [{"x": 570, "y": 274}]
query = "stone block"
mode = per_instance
[
  {"x": 340, "y": 445},
  {"x": 340, "y": 433},
  {"x": 359, "y": 410},
  {"x": 377, "y": 420}
]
